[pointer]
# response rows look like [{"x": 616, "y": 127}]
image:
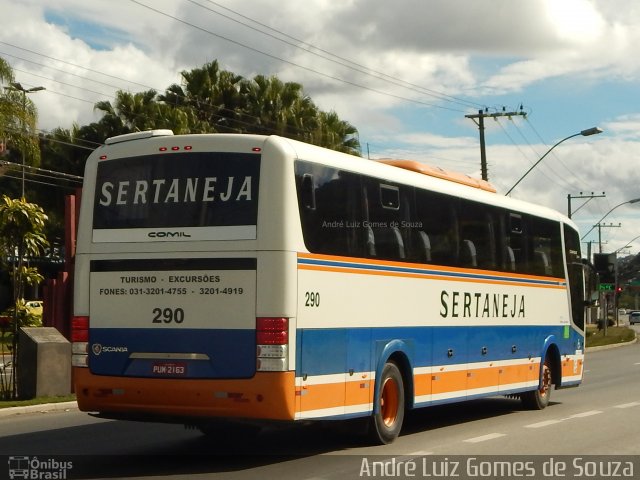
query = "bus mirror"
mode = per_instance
[{"x": 592, "y": 294}]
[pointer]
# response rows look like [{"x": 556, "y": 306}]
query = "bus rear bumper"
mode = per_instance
[{"x": 267, "y": 395}]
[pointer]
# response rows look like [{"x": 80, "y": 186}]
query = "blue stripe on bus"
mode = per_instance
[
  {"x": 425, "y": 271},
  {"x": 337, "y": 350}
]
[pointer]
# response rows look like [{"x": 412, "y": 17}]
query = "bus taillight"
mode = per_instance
[
  {"x": 272, "y": 339},
  {"x": 80, "y": 341}
]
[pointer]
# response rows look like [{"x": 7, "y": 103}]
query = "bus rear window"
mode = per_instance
[{"x": 185, "y": 196}]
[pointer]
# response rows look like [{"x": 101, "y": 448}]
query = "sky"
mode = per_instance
[{"x": 406, "y": 74}]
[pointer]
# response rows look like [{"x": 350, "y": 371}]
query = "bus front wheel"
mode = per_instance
[
  {"x": 539, "y": 398},
  {"x": 388, "y": 416}
]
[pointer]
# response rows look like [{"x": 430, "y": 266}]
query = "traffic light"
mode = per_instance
[
  {"x": 605, "y": 265},
  {"x": 618, "y": 289}
]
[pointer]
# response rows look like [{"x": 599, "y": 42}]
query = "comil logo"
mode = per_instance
[
  {"x": 35, "y": 468},
  {"x": 168, "y": 234}
]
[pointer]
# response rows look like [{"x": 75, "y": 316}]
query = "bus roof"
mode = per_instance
[{"x": 440, "y": 173}]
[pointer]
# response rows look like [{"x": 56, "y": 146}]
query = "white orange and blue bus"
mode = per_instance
[{"x": 250, "y": 279}]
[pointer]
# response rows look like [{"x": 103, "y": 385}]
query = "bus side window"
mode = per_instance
[
  {"x": 423, "y": 246},
  {"x": 546, "y": 248},
  {"x": 436, "y": 238},
  {"x": 515, "y": 242},
  {"x": 478, "y": 236},
  {"x": 386, "y": 209},
  {"x": 329, "y": 203},
  {"x": 307, "y": 192}
]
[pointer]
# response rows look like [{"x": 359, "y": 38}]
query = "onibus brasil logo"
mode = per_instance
[{"x": 38, "y": 469}]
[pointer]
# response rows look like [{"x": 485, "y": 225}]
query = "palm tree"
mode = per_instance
[
  {"x": 18, "y": 116},
  {"x": 274, "y": 107},
  {"x": 210, "y": 95},
  {"x": 336, "y": 134}
]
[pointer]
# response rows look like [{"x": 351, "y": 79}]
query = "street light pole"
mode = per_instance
[
  {"x": 634, "y": 200},
  {"x": 584, "y": 133},
  {"x": 19, "y": 88}
]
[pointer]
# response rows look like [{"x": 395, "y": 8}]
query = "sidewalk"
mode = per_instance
[{"x": 43, "y": 408}]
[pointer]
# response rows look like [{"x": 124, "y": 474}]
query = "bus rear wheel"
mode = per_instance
[
  {"x": 539, "y": 398},
  {"x": 388, "y": 416}
]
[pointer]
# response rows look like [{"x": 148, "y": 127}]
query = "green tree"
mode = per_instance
[
  {"x": 212, "y": 97},
  {"x": 21, "y": 236},
  {"x": 336, "y": 134},
  {"x": 18, "y": 117},
  {"x": 136, "y": 112}
]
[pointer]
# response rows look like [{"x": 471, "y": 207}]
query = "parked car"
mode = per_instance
[
  {"x": 634, "y": 317},
  {"x": 34, "y": 307}
]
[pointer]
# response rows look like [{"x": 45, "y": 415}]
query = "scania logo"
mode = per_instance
[
  {"x": 98, "y": 349},
  {"x": 162, "y": 234}
]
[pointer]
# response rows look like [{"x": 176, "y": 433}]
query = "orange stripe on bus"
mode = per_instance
[
  {"x": 448, "y": 382},
  {"x": 509, "y": 278},
  {"x": 571, "y": 367},
  {"x": 268, "y": 395},
  {"x": 418, "y": 275},
  {"x": 519, "y": 373},
  {"x": 441, "y": 381}
]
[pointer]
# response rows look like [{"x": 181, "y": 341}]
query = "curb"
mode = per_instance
[
  {"x": 43, "y": 408},
  {"x": 609, "y": 347}
]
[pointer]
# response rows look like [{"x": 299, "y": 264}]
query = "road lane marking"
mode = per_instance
[
  {"x": 485, "y": 438},
  {"x": 627, "y": 405},
  {"x": 590, "y": 413},
  {"x": 546, "y": 423}
]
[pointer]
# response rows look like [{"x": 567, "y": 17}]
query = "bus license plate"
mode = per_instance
[{"x": 169, "y": 368}]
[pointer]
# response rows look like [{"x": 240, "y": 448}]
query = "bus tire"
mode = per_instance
[
  {"x": 387, "y": 422},
  {"x": 539, "y": 398}
]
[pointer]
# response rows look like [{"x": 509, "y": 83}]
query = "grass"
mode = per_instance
[
  {"x": 596, "y": 338},
  {"x": 36, "y": 401}
]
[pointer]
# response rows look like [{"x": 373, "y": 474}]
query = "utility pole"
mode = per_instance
[
  {"x": 480, "y": 116},
  {"x": 600, "y": 226},
  {"x": 590, "y": 197}
]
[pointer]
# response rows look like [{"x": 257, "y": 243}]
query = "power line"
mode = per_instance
[
  {"x": 289, "y": 62},
  {"x": 214, "y": 115},
  {"x": 327, "y": 55},
  {"x": 566, "y": 183}
]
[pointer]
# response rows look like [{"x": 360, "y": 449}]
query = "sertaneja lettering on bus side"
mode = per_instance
[{"x": 483, "y": 305}]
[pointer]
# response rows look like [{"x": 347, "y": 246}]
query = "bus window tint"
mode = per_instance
[
  {"x": 386, "y": 219},
  {"x": 477, "y": 234},
  {"x": 329, "y": 205},
  {"x": 349, "y": 214},
  {"x": 575, "y": 274},
  {"x": 436, "y": 214},
  {"x": 546, "y": 249}
]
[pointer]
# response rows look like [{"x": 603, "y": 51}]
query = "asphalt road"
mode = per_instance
[{"x": 601, "y": 417}]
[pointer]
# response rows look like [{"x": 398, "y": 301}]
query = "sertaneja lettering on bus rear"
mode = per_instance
[
  {"x": 175, "y": 190},
  {"x": 481, "y": 305}
]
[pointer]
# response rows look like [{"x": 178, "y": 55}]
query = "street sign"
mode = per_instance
[{"x": 607, "y": 287}]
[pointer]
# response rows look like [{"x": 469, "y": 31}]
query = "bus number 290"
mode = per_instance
[
  {"x": 168, "y": 315},
  {"x": 311, "y": 299}
]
